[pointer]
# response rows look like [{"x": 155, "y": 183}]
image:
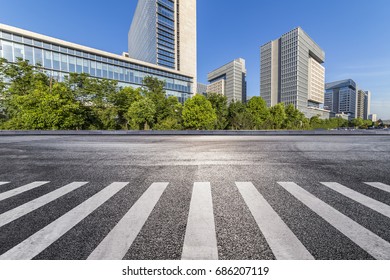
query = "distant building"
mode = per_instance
[
  {"x": 363, "y": 104},
  {"x": 229, "y": 80},
  {"x": 340, "y": 98},
  {"x": 292, "y": 73},
  {"x": 367, "y": 105},
  {"x": 360, "y": 104},
  {"x": 341, "y": 116},
  {"x": 201, "y": 89},
  {"x": 373, "y": 117}
]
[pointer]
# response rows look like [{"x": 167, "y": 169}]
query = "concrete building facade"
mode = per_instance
[
  {"x": 373, "y": 117},
  {"x": 201, "y": 89},
  {"x": 292, "y": 73},
  {"x": 58, "y": 58},
  {"x": 164, "y": 32},
  {"x": 229, "y": 80},
  {"x": 360, "y": 104}
]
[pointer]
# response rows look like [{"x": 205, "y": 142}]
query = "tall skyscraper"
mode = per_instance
[
  {"x": 292, "y": 73},
  {"x": 363, "y": 104},
  {"x": 229, "y": 80},
  {"x": 367, "y": 105},
  {"x": 341, "y": 98},
  {"x": 163, "y": 32},
  {"x": 360, "y": 104}
]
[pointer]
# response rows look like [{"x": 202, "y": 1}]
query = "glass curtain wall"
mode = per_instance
[{"x": 59, "y": 61}]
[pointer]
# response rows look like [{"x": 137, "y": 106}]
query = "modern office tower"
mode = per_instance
[
  {"x": 201, "y": 89},
  {"x": 340, "y": 97},
  {"x": 163, "y": 32},
  {"x": 229, "y": 80},
  {"x": 363, "y": 104},
  {"x": 367, "y": 105},
  {"x": 360, "y": 104},
  {"x": 292, "y": 73},
  {"x": 59, "y": 58}
]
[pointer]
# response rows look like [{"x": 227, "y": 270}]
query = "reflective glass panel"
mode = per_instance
[
  {"x": 64, "y": 62},
  {"x": 47, "y": 60},
  {"x": 18, "y": 52},
  {"x": 29, "y": 54},
  {"x": 72, "y": 64},
  {"x": 8, "y": 51},
  {"x": 38, "y": 56},
  {"x": 56, "y": 61}
]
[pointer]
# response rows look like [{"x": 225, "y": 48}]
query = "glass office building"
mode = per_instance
[
  {"x": 59, "y": 58},
  {"x": 163, "y": 32},
  {"x": 341, "y": 97}
]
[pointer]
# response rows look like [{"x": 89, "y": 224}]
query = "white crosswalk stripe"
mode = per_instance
[
  {"x": 119, "y": 240},
  {"x": 380, "y": 186},
  {"x": 39, "y": 241},
  {"x": 200, "y": 242},
  {"x": 35, "y": 204},
  {"x": 3, "y": 183},
  {"x": 282, "y": 241},
  {"x": 200, "y": 239},
  {"x": 379, "y": 207},
  {"x": 20, "y": 190},
  {"x": 367, "y": 240}
]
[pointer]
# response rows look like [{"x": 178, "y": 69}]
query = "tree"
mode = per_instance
[
  {"x": 277, "y": 116},
  {"x": 153, "y": 88},
  {"x": 220, "y": 104},
  {"x": 141, "y": 114},
  {"x": 239, "y": 118},
  {"x": 258, "y": 112},
  {"x": 122, "y": 100},
  {"x": 46, "y": 109},
  {"x": 152, "y": 85},
  {"x": 198, "y": 114},
  {"x": 295, "y": 119},
  {"x": 357, "y": 122}
]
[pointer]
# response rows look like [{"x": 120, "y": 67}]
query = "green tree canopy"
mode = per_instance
[
  {"x": 46, "y": 109},
  {"x": 258, "y": 112},
  {"x": 141, "y": 114},
  {"x": 198, "y": 114},
  {"x": 220, "y": 104},
  {"x": 277, "y": 116},
  {"x": 295, "y": 119},
  {"x": 239, "y": 118}
]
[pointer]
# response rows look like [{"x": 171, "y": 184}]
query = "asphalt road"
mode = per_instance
[{"x": 145, "y": 219}]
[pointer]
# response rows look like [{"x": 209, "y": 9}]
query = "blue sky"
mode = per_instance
[{"x": 354, "y": 34}]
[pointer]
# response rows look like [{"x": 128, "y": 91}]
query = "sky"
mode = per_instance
[{"x": 355, "y": 35}]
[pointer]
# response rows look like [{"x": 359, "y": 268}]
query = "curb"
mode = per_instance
[{"x": 194, "y": 133}]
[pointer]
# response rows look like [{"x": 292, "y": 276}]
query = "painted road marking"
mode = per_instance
[
  {"x": 38, "y": 242},
  {"x": 200, "y": 241},
  {"x": 367, "y": 240},
  {"x": 379, "y": 207},
  {"x": 119, "y": 240},
  {"x": 28, "y": 207},
  {"x": 282, "y": 241},
  {"x": 380, "y": 186},
  {"x": 20, "y": 190}
]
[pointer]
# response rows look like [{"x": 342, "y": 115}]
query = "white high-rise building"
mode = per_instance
[
  {"x": 229, "y": 80},
  {"x": 163, "y": 32},
  {"x": 292, "y": 73}
]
